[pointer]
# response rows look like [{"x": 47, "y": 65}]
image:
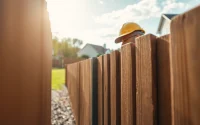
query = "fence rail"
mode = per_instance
[{"x": 155, "y": 81}]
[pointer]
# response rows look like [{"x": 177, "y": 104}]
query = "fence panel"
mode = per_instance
[
  {"x": 146, "y": 81},
  {"x": 163, "y": 77},
  {"x": 185, "y": 68},
  {"x": 100, "y": 90},
  {"x": 25, "y": 63},
  {"x": 115, "y": 88},
  {"x": 128, "y": 85},
  {"x": 106, "y": 80},
  {"x": 73, "y": 81}
]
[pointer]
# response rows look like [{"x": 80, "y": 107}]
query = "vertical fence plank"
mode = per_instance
[
  {"x": 94, "y": 90},
  {"x": 115, "y": 88},
  {"x": 128, "y": 85},
  {"x": 25, "y": 63},
  {"x": 163, "y": 77},
  {"x": 100, "y": 90},
  {"x": 185, "y": 68},
  {"x": 106, "y": 80},
  {"x": 73, "y": 88},
  {"x": 85, "y": 92},
  {"x": 145, "y": 77}
]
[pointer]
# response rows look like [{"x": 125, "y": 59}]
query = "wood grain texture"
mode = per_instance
[
  {"x": 185, "y": 68},
  {"x": 85, "y": 93},
  {"x": 128, "y": 85},
  {"x": 115, "y": 78},
  {"x": 163, "y": 77},
  {"x": 106, "y": 80},
  {"x": 100, "y": 91},
  {"x": 146, "y": 81},
  {"x": 73, "y": 88},
  {"x": 25, "y": 63}
]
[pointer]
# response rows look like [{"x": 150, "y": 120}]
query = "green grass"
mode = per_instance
[{"x": 58, "y": 78}]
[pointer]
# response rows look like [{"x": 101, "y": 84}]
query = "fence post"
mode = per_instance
[
  {"x": 106, "y": 80},
  {"x": 128, "y": 85},
  {"x": 163, "y": 77},
  {"x": 185, "y": 68},
  {"x": 25, "y": 63},
  {"x": 146, "y": 80},
  {"x": 100, "y": 91},
  {"x": 115, "y": 78}
]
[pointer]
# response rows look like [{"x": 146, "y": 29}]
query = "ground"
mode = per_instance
[{"x": 58, "y": 78}]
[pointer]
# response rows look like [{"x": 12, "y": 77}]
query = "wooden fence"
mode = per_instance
[{"x": 155, "y": 81}]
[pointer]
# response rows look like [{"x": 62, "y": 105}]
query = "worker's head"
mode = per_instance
[{"x": 129, "y": 32}]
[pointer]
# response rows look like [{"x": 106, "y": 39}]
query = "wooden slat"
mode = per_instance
[
  {"x": 85, "y": 92},
  {"x": 115, "y": 88},
  {"x": 73, "y": 88},
  {"x": 25, "y": 63},
  {"x": 163, "y": 77},
  {"x": 145, "y": 77},
  {"x": 106, "y": 80},
  {"x": 128, "y": 85},
  {"x": 94, "y": 90},
  {"x": 100, "y": 90},
  {"x": 185, "y": 68}
]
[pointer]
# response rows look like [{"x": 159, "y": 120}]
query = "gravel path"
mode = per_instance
[{"x": 61, "y": 109}]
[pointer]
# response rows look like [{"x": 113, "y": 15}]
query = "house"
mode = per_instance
[
  {"x": 164, "y": 25},
  {"x": 91, "y": 50}
]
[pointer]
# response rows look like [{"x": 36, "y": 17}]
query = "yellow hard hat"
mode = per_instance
[{"x": 128, "y": 28}]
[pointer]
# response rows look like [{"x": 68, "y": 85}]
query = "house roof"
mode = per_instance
[
  {"x": 167, "y": 17},
  {"x": 97, "y": 48}
]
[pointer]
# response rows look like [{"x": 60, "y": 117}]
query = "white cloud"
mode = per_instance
[
  {"x": 101, "y": 2},
  {"x": 142, "y": 10}
]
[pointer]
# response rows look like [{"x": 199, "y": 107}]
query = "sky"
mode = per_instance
[{"x": 99, "y": 21}]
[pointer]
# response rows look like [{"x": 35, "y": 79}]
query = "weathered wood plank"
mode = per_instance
[
  {"x": 163, "y": 77},
  {"x": 115, "y": 78},
  {"x": 73, "y": 88},
  {"x": 128, "y": 85},
  {"x": 100, "y": 91},
  {"x": 85, "y": 93},
  {"x": 146, "y": 81},
  {"x": 25, "y": 63},
  {"x": 106, "y": 80},
  {"x": 185, "y": 68}
]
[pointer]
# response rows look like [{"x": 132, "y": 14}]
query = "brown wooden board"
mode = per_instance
[
  {"x": 146, "y": 82},
  {"x": 85, "y": 92},
  {"x": 73, "y": 88},
  {"x": 185, "y": 68},
  {"x": 163, "y": 80},
  {"x": 25, "y": 63},
  {"x": 128, "y": 85},
  {"x": 115, "y": 77},
  {"x": 100, "y": 90},
  {"x": 106, "y": 80}
]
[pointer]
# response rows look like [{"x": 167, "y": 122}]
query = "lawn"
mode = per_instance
[{"x": 58, "y": 78}]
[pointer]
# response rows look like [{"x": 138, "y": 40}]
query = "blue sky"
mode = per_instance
[{"x": 99, "y": 21}]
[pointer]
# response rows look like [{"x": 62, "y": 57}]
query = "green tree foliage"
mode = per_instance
[
  {"x": 85, "y": 56},
  {"x": 67, "y": 47}
]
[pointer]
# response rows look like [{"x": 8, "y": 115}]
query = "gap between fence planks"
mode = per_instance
[
  {"x": 128, "y": 85},
  {"x": 146, "y": 80},
  {"x": 185, "y": 68},
  {"x": 115, "y": 88},
  {"x": 163, "y": 80},
  {"x": 100, "y": 91}
]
